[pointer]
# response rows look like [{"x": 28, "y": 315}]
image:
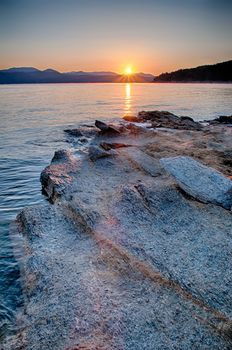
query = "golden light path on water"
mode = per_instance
[{"x": 128, "y": 98}]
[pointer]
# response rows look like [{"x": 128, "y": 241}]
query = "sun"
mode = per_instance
[{"x": 128, "y": 71}]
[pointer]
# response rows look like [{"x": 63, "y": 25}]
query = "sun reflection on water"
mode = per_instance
[{"x": 128, "y": 98}]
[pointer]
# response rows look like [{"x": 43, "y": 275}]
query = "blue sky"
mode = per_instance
[{"x": 151, "y": 36}]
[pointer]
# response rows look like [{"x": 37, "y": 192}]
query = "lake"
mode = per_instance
[{"x": 33, "y": 118}]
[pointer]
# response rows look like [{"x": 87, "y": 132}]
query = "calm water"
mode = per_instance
[{"x": 32, "y": 121}]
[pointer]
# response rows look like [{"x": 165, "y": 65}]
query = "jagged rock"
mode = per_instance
[
  {"x": 62, "y": 156},
  {"x": 82, "y": 130},
  {"x": 55, "y": 177},
  {"x": 200, "y": 181},
  {"x": 105, "y": 128},
  {"x": 96, "y": 152},
  {"x": 169, "y": 120}
]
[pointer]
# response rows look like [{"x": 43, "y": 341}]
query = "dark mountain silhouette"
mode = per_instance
[
  {"x": 220, "y": 72},
  {"x": 30, "y": 75}
]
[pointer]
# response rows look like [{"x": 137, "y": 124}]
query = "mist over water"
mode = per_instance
[{"x": 33, "y": 118}]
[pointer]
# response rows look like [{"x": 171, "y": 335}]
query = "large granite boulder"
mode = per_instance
[{"x": 200, "y": 181}]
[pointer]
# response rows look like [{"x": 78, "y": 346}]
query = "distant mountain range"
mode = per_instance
[
  {"x": 220, "y": 72},
  {"x": 30, "y": 75}
]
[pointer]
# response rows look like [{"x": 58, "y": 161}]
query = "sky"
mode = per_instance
[{"x": 98, "y": 35}]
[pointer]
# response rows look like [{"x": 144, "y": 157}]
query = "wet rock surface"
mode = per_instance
[{"x": 123, "y": 259}]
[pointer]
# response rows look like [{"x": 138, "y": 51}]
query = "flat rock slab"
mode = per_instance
[
  {"x": 200, "y": 181},
  {"x": 122, "y": 260}
]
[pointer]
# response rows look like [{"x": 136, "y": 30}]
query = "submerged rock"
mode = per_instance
[{"x": 199, "y": 181}]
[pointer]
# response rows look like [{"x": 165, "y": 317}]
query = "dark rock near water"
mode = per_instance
[
  {"x": 169, "y": 120},
  {"x": 82, "y": 130},
  {"x": 74, "y": 132},
  {"x": 184, "y": 118},
  {"x": 105, "y": 128},
  {"x": 223, "y": 119}
]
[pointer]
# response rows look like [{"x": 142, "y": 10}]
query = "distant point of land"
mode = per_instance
[{"x": 220, "y": 72}]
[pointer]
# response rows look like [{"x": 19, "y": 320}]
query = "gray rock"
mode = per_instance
[
  {"x": 55, "y": 177},
  {"x": 199, "y": 181},
  {"x": 143, "y": 162},
  {"x": 62, "y": 155}
]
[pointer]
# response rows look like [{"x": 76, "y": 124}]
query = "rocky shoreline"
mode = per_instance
[{"x": 133, "y": 249}]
